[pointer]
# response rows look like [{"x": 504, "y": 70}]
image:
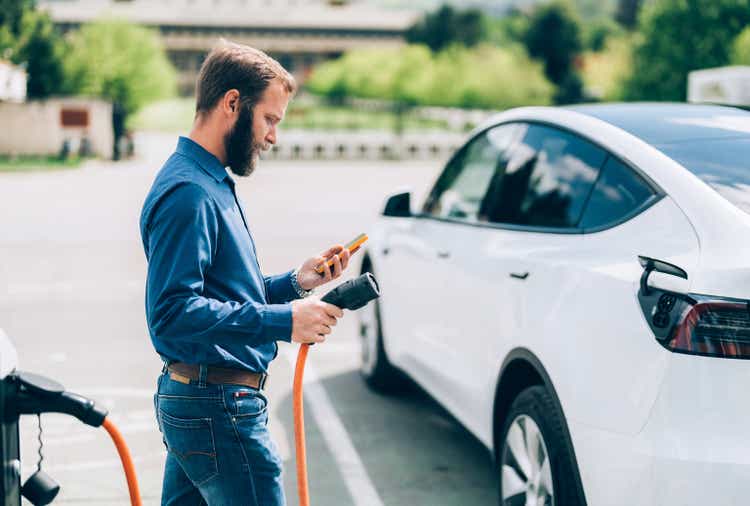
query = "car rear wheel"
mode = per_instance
[
  {"x": 376, "y": 369},
  {"x": 536, "y": 462}
]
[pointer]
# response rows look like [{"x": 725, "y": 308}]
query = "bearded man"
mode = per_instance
[{"x": 214, "y": 318}]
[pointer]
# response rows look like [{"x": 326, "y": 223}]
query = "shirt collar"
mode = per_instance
[{"x": 208, "y": 162}]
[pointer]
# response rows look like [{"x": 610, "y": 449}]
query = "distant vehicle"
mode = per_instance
[{"x": 574, "y": 290}]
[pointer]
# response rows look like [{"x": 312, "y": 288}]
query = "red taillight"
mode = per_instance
[{"x": 713, "y": 327}]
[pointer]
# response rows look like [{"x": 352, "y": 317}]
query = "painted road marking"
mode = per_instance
[{"x": 350, "y": 465}]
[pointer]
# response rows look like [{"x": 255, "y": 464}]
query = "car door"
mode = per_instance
[
  {"x": 521, "y": 259},
  {"x": 448, "y": 233}
]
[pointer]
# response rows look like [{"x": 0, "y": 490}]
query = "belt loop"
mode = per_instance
[{"x": 202, "y": 374}]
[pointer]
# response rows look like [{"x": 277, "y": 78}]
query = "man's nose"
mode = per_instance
[{"x": 271, "y": 137}]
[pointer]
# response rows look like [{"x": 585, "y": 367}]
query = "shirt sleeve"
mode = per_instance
[
  {"x": 280, "y": 288},
  {"x": 183, "y": 234}
]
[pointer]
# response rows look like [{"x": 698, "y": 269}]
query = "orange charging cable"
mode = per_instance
[
  {"x": 299, "y": 426},
  {"x": 127, "y": 461}
]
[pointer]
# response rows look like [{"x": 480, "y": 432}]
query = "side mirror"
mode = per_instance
[{"x": 398, "y": 205}]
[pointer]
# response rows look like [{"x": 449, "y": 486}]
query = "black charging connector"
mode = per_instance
[{"x": 355, "y": 293}]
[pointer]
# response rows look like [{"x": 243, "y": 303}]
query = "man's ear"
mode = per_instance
[{"x": 231, "y": 101}]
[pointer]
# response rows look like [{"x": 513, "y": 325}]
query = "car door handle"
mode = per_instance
[
  {"x": 521, "y": 276},
  {"x": 443, "y": 254}
]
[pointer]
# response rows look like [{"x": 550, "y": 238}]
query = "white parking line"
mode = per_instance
[{"x": 350, "y": 465}]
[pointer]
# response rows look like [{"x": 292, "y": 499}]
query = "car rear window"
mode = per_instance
[
  {"x": 724, "y": 164},
  {"x": 618, "y": 193}
]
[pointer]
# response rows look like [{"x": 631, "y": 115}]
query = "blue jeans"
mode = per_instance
[{"x": 219, "y": 451}]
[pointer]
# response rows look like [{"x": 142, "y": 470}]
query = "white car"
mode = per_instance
[{"x": 574, "y": 290}]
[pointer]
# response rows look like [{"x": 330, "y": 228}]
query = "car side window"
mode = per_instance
[
  {"x": 618, "y": 193},
  {"x": 548, "y": 179},
  {"x": 459, "y": 191}
]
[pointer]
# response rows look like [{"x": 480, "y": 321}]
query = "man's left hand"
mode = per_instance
[{"x": 308, "y": 278}]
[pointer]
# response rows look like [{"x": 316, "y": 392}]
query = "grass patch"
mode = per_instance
[
  {"x": 176, "y": 115},
  {"x": 37, "y": 163}
]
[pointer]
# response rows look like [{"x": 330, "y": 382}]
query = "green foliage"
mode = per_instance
[
  {"x": 447, "y": 26},
  {"x": 28, "y": 38},
  {"x": 604, "y": 71},
  {"x": 121, "y": 62},
  {"x": 7, "y": 42},
  {"x": 627, "y": 13},
  {"x": 41, "y": 49},
  {"x": 506, "y": 30},
  {"x": 596, "y": 33},
  {"x": 678, "y": 36},
  {"x": 11, "y": 14},
  {"x": 554, "y": 38},
  {"x": 485, "y": 76},
  {"x": 741, "y": 48}
]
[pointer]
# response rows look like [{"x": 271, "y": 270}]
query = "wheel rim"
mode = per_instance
[
  {"x": 526, "y": 474},
  {"x": 368, "y": 331}
]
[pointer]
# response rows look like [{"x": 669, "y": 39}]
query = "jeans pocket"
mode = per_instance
[
  {"x": 192, "y": 442},
  {"x": 247, "y": 403}
]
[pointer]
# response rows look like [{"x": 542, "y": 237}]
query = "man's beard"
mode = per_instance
[{"x": 242, "y": 150}]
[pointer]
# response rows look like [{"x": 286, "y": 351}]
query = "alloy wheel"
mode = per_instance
[{"x": 526, "y": 472}]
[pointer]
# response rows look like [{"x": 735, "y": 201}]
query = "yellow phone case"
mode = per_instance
[{"x": 352, "y": 246}]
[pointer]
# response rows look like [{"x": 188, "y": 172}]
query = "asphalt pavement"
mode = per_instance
[{"x": 71, "y": 299}]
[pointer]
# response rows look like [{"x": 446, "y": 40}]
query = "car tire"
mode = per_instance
[
  {"x": 535, "y": 461},
  {"x": 375, "y": 368}
]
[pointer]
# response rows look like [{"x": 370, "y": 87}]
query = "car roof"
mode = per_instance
[{"x": 666, "y": 123}]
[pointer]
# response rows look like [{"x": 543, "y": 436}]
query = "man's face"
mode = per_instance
[{"x": 255, "y": 129}]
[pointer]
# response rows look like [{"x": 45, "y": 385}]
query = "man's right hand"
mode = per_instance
[{"x": 312, "y": 320}]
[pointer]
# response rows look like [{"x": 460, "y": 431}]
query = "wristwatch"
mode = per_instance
[{"x": 297, "y": 288}]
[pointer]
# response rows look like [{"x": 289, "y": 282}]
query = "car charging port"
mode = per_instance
[{"x": 692, "y": 323}]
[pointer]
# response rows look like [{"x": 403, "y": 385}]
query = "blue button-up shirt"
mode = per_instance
[{"x": 207, "y": 301}]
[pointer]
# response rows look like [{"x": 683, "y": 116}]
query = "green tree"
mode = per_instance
[
  {"x": 604, "y": 71},
  {"x": 28, "y": 38},
  {"x": 447, "y": 26},
  {"x": 7, "y": 42},
  {"x": 741, "y": 48},
  {"x": 597, "y": 32},
  {"x": 11, "y": 14},
  {"x": 678, "y": 36},
  {"x": 121, "y": 62},
  {"x": 508, "y": 29},
  {"x": 40, "y": 49},
  {"x": 554, "y": 38},
  {"x": 484, "y": 76},
  {"x": 627, "y": 13}
]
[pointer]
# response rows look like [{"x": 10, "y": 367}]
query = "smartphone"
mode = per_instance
[{"x": 353, "y": 246}]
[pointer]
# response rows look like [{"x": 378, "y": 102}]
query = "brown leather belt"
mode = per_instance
[{"x": 184, "y": 373}]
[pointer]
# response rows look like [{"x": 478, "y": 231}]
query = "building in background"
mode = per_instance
[
  {"x": 298, "y": 33},
  {"x": 12, "y": 82},
  {"x": 61, "y": 127}
]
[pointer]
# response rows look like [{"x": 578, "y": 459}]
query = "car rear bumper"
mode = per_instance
[{"x": 693, "y": 450}]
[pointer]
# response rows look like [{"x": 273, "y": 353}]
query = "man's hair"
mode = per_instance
[{"x": 234, "y": 66}]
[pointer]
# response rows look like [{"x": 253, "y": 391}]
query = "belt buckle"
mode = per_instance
[{"x": 262, "y": 382}]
